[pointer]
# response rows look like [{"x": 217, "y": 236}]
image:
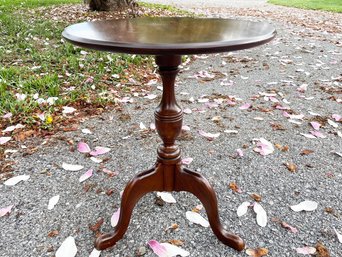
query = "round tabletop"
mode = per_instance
[{"x": 169, "y": 35}]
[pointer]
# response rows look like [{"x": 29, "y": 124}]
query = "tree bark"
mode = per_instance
[{"x": 106, "y": 5}]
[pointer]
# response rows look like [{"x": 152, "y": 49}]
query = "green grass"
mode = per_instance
[
  {"x": 37, "y": 63},
  {"x": 326, "y": 5}
]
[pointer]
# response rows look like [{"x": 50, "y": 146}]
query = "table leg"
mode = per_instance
[{"x": 168, "y": 174}]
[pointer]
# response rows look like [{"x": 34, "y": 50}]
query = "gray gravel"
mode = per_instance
[{"x": 318, "y": 177}]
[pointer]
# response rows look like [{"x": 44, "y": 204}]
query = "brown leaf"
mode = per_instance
[
  {"x": 258, "y": 252},
  {"x": 322, "y": 251},
  {"x": 53, "y": 233},
  {"x": 285, "y": 148},
  {"x": 291, "y": 166},
  {"x": 306, "y": 152},
  {"x": 256, "y": 197},
  {"x": 233, "y": 186},
  {"x": 24, "y": 134},
  {"x": 176, "y": 242},
  {"x": 277, "y": 126},
  {"x": 97, "y": 225},
  {"x": 173, "y": 227},
  {"x": 289, "y": 227}
]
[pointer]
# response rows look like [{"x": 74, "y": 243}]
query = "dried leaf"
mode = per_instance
[
  {"x": 176, "y": 242},
  {"x": 291, "y": 166},
  {"x": 258, "y": 252},
  {"x": 196, "y": 218},
  {"x": 97, "y": 225},
  {"x": 305, "y": 206},
  {"x": 53, "y": 233},
  {"x": 68, "y": 248},
  {"x": 322, "y": 251},
  {"x": 233, "y": 186},
  {"x": 243, "y": 208},
  {"x": 256, "y": 197},
  {"x": 306, "y": 152}
]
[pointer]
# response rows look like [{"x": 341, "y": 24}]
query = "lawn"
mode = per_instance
[
  {"x": 326, "y": 5},
  {"x": 40, "y": 73}
]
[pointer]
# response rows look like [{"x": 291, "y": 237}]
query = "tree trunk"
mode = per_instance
[{"x": 106, "y": 5}]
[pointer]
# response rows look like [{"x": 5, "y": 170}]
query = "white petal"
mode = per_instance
[
  {"x": 173, "y": 250},
  {"x": 307, "y": 250},
  {"x": 67, "y": 109},
  {"x": 96, "y": 160},
  {"x": 4, "y": 211},
  {"x": 52, "y": 202},
  {"x": 339, "y": 236},
  {"x": 305, "y": 206},
  {"x": 261, "y": 215},
  {"x": 71, "y": 167},
  {"x": 86, "y": 131},
  {"x": 115, "y": 218},
  {"x": 95, "y": 253},
  {"x": 4, "y": 140},
  {"x": 15, "y": 180},
  {"x": 68, "y": 248},
  {"x": 243, "y": 208},
  {"x": 86, "y": 175},
  {"x": 333, "y": 123},
  {"x": 195, "y": 217},
  {"x": 166, "y": 197}
]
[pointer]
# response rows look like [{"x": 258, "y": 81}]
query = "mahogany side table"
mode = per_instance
[{"x": 167, "y": 39}]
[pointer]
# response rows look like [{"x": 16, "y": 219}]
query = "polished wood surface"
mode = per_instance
[
  {"x": 168, "y": 39},
  {"x": 172, "y": 35}
]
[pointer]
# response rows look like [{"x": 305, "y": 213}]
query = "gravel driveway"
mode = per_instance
[{"x": 293, "y": 86}]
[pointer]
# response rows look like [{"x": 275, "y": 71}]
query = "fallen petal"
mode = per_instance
[
  {"x": 245, "y": 106},
  {"x": 95, "y": 253},
  {"x": 333, "y": 123},
  {"x": 115, "y": 218},
  {"x": 86, "y": 175},
  {"x": 261, "y": 215},
  {"x": 305, "y": 206},
  {"x": 83, "y": 147},
  {"x": 315, "y": 125},
  {"x": 339, "y": 236},
  {"x": 99, "y": 150},
  {"x": 208, "y": 136},
  {"x": 71, "y": 167},
  {"x": 166, "y": 197},
  {"x": 68, "y": 110},
  {"x": 4, "y": 140},
  {"x": 307, "y": 250},
  {"x": 196, "y": 218},
  {"x": 96, "y": 160},
  {"x": 336, "y": 117},
  {"x": 15, "y": 180},
  {"x": 68, "y": 248},
  {"x": 243, "y": 208},
  {"x": 287, "y": 226},
  {"x": 173, "y": 250},
  {"x": 157, "y": 248},
  {"x": 6, "y": 210},
  {"x": 187, "y": 161},
  {"x": 53, "y": 201},
  {"x": 239, "y": 152}
]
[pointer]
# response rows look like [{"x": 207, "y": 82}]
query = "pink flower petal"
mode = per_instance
[
  {"x": 336, "y": 117},
  {"x": 83, "y": 147},
  {"x": 187, "y": 161},
  {"x": 315, "y": 125},
  {"x": 264, "y": 147},
  {"x": 7, "y": 115},
  {"x": 287, "y": 226},
  {"x": 239, "y": 152},
  {"x": 306, "y": 250},
  {"x": 245, "y": 106},
  {"x": 4, "y": 140},
  {"x": 99, "y": 150},
  {"x": 115, "y": 218},
  {"x": 157, "y": 248},
  {"x": 6, "y": 210},
  {"x": 208, "y": 136},
  {"x": 86, "y": 175},
  {"x": 318, "y": 134}
]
